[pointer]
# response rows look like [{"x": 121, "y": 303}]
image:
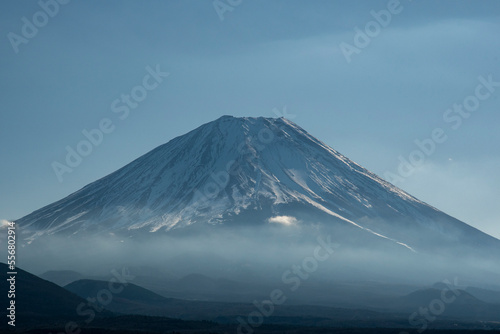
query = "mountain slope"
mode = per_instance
[
  {"x": 38, "y": 301},
  {"x": 458, "y": 304},
  {"x": 130, "y": 292},
  {"x": 250, "y": 171},
  {"x": 61, "y": 277}
]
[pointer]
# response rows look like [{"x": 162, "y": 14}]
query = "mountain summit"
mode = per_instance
[{"x": 250, "y": 171}]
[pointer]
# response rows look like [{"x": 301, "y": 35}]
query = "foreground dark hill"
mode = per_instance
[
  {"x": 134, "y": 299},
  {"x": 38, "y": 300},
  {"x": 255, "y": 172},
  {"x": 43, "y": 307},
  {"x": 458, "y": 306}
]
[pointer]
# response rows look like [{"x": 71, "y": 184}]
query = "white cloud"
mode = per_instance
[{"x": 283, "y": 220}]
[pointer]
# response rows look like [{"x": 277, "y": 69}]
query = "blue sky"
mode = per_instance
[{"x": 263, "y": 56}]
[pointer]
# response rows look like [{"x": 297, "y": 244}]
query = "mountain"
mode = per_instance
[
  {"x": 87, "y": 288},
  {"x": 489, "y": 296},
  {"x": 457, "y": 304},
  {"x": 44, "y": 307},
  {"x": 39, "y": 301},
  {"x": 61, "y": 277},
  {"x": 235, "y": 172},
  {"x": 134, "y": 299}
]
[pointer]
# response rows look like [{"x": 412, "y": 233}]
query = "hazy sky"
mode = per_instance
[{"x": 395, "y": 85}]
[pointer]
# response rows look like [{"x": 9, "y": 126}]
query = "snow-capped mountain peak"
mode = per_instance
[{"x": 235, "y": 168}]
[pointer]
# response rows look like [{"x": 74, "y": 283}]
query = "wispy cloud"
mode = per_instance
[{"x": 283, "y": 220}]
